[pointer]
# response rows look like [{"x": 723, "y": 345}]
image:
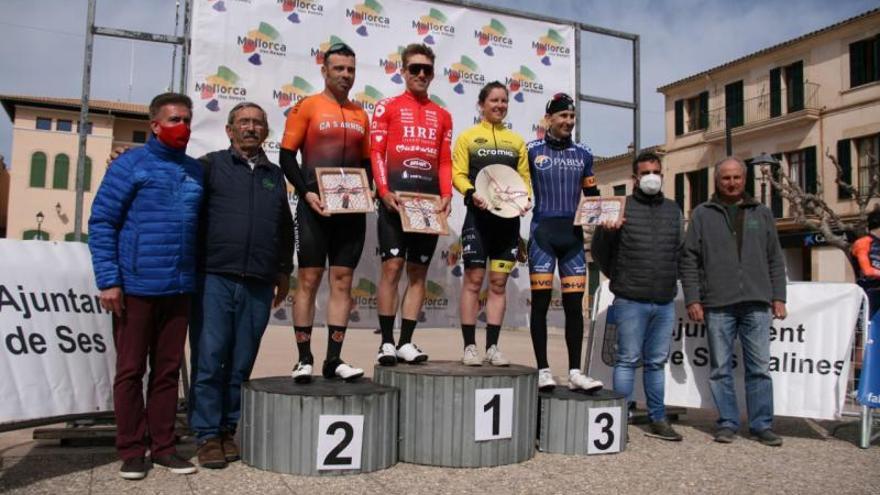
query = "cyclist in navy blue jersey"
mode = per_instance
[{"x": 561, "y": 171}]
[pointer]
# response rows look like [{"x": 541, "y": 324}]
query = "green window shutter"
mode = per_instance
[
  {"x": 810, "y": 170},
  {"x": 750, "y": 178},
  {"x": 70, "y": 235},
  {"x": 876, "y": 75},
  {"x": 679, "y": 190},
  {"x": 38, "y": 169},
  {"x": 775, "y": 196},
  {"x": 845, "y": 161},
  {"x": 733, "y": 100},
  {"x": 704, "y": 185},
  {"x": 856, "y": 64},
  {"x": 775, "y": 92},
  {"x": 30, "y": 235},
  {"x": 679, "y": 117},
  {"x": 704, "y": 110},
  {"x": 796, "y": 91},
  {"x": 87, "y": 175},
  {"x": 61, "y": 174}
]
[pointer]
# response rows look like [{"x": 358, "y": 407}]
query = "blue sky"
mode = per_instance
[{"x": 45, "y": 40}]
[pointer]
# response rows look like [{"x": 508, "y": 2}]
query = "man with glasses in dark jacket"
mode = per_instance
[
  {"x": 246, "y": 257},
  {"x": 640, "y": 254}
]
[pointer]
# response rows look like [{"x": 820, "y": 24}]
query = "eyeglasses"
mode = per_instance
[
  {"x": 416, "y": 69},
  {"x": 338, "y": 48},
  {"x": 255, "y": 123}
]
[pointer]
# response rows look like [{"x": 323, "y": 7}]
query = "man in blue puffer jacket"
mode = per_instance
[{"x": 142, "y": 236}]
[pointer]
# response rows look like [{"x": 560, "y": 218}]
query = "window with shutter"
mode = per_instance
[
  {"x": 775, "y": 92},
  {"x": 38, "y": 169},
  {"x": 679, "y": 117},
  {"x": 794, "y": 84},
  {"x": 845, "y": 162},
  {"x": 733, "y": 102},
  {"x": 679, "y": 190},
  {"x": 61, "y": 174},
  {"x": 864, "y": 61},
  {"x": 775, "y": 196}
]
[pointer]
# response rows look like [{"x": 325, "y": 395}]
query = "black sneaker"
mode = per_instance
[
  {"x": 175, "y": 464},
  {"x": 134, "y": 468},
  {"x": 663, "y": 430},
  {"x": 725, "y": 435},
  {"x": 767, "y": 437}
]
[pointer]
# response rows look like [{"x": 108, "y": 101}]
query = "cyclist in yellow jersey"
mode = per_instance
[{"x": 484, "y": 235}]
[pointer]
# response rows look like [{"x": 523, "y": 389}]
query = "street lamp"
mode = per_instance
[
  {"x": 764, "y": 160},
  {"x": 40, "y": 218}
]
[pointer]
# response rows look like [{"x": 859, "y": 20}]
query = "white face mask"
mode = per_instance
[{"x": 650, "y": 184}]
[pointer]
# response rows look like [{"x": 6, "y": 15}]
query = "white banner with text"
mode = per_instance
[
  {"x": 809, "y": 351},
  {"x": 57, "y": 355}
]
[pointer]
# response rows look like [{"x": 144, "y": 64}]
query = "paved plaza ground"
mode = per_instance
[{"x": 806, "y": 463}]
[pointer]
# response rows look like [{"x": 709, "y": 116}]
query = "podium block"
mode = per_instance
[
  {"x": 580, "y": 423},
  {"x": 462, "y": 416},
  {"x": 327, "y": 427}
]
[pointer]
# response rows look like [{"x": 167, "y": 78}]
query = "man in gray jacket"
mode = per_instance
[
  {"x": 640, "y": 256},
  {"x": 733, "y": 275}
]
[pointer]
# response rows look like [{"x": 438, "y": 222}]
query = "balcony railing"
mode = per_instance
[{"x": 761, "y": 107}]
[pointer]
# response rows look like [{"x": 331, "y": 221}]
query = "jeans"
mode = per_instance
[
  {"x": 750, "y": 322},
  {"x": 151, "y": 328},
  {"x": 229, "y": 317},
  {"x": 644, "y": 334}
]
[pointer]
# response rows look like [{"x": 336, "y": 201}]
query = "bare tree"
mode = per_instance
[{"x": 812, "y": 211}]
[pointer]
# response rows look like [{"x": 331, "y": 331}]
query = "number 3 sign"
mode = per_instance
[
  {"x": 493, "y": 410},
  {"x": 339, "y": 442},
  {"x": 604, "y": 430}
]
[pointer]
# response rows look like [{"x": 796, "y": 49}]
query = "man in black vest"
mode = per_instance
[
  {"x": 246, "y": 257},
  {"x": 639, "y": 254}
]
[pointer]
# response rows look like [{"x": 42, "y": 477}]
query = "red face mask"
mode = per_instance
[{"x": 174, "y": 136}]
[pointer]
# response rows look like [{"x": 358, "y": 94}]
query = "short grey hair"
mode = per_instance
[
  {"x": 241, "y": 106},
  {"x": 727, "y": 159}
]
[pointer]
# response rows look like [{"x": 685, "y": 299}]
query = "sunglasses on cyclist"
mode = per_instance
[{"x": 416, "y": 69}]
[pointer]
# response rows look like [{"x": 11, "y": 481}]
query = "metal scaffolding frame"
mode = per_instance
[{"x": 91, "y": 31}]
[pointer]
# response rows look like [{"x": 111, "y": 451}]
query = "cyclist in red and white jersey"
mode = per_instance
[{"x": 410, "y": 151}]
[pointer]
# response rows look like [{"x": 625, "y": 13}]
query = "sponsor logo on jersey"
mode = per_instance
[{"x": 417, "y": 163}]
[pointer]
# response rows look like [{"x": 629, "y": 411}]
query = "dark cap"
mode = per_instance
[{"x": 559, "y": 103}]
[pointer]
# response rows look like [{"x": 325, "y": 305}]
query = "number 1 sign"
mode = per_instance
[
  {"x": 493, "y": 410},
  {"x": 339, "y": 442}
]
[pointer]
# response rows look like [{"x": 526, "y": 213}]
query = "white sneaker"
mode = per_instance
[
  {"x": 471, "y": 356},
  {"x": 348, "y": 373},
  {"x": 387, "y": 355},
  {"x": 580, "y": 381},
  {"x": 302, "y": 373},
  {"x": 495, "y": 358},
  {"x": 409, "y": 353},
  {"x": 545, "y": 379}
]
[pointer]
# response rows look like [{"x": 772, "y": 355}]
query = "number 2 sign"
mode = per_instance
[
  {"x": 339, "y": 442},
  {"x": 493, "y": 418}
]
